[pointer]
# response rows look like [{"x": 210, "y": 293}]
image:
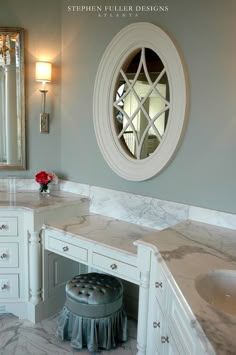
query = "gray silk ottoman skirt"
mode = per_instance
[{"x": 93, "y": 315}]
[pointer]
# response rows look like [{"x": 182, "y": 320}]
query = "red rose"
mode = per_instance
[
  {"x": 43, "y": 177},
  {"x": 51, "y": 176}
]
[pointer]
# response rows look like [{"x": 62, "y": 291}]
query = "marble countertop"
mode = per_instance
[
  {"x": 35, "y": 201},
  {"x": 104, "y": 231},
  {"x": 190, "y": 249}
]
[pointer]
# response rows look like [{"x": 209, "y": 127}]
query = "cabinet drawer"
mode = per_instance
[
  {"x": 67, "y": 249},
  {"x": 8, "y": 226},
  {"x": 117, "y": 267},
  {"x": 9, "y": 286},
  {"x": 168, "y": 345},
  {"x": 157, "y": 323},
  {"x": 9, "y": 255}
]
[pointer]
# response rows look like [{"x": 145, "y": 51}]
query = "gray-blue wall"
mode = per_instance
[
  {"x": 41, "y": 20},
  {"x": 203, "y": 172}
]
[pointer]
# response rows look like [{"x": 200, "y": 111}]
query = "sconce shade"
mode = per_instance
[{"x": 43, "y": 71}]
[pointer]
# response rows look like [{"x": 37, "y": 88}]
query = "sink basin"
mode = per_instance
[{"x": 218, "y": 288}]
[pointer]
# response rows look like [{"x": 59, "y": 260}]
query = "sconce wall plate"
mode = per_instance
[
  {"x": 44, "y": 122},
  {"x": 43, "y": 74}
]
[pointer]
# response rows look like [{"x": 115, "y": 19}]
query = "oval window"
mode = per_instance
[{"x": 140, "y": 102}]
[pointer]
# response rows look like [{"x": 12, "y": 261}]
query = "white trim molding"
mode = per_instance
[{"x": 126, "y": 42}]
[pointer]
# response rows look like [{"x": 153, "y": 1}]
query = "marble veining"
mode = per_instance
[
  {"x": 21, "y": 337},
  {"x": 141, "y": 210},
  {"x": 191, "y": 249},
  {"x": 103, "y": 230},
  {"x": 216, "y": 239},
  {"x": 147, "y": 211}
]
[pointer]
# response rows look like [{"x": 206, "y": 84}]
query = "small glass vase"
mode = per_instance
[{"x": 44, "y": 189}]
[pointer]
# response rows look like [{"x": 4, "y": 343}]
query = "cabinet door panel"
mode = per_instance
[
  {"x": 155, "y": 323},
  {"x": 163, "y": 338},
  {"x": 181, "y": 327},
  {"x": 162, "y": 288},
  {"x": 156, "y": 314},
  {"x": 168, "y": 344},
  {"x": 60, "y": 271},
  {"x": 160, "y": 331}
]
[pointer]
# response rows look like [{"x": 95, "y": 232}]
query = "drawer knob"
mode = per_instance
[
  {"x": 3, "y": 226},
  {"x": 156, "y": 324},
  {"x": 65, "y": 248},
  {"x": 158, "y": 284},
  {"x": 164, "y": 339},
  {"x": 113, "y": 266},
  {"x": 4, "y": 287},
  {"x": 3, "y": 256}
]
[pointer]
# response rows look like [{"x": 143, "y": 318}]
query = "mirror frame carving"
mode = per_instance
[
  {"x": 128, "y": 40},
  {"x": 22, "y": 165}
]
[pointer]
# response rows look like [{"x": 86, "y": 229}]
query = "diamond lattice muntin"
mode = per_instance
[{"x": 141, "y": 103}]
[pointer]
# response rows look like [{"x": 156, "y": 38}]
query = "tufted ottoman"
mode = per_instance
[{"x": 93, "y": 314}]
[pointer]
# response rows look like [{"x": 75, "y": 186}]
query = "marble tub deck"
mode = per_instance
[{"x": 21, "y": 337}]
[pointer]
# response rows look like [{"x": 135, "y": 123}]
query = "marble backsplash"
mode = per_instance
[
  {"x": 146, "y": 211},
  {"x": 142, "y": 210}
]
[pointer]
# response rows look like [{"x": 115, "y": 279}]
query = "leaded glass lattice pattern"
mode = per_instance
[{"x": 141, "y": 103}]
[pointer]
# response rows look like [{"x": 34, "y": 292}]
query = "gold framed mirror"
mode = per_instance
[{"x": 12, "y": 99}]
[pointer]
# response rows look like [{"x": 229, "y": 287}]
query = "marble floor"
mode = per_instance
[{"x": 21, "y": 337}]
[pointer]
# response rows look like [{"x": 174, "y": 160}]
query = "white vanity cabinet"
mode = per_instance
[
  {"x": 170, "y": 329},
  {"x": 32, "y": 279},
  {"x": 160, "y": 339}
]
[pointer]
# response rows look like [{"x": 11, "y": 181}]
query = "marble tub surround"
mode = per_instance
[
  {"x": 33, "y": 200},
  {"x": 186, "y": 251}
]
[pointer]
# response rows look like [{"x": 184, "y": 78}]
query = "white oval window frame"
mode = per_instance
[{"x": 128, "y": 40}]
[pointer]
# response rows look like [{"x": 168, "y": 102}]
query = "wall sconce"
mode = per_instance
[{"x": 44, "y": 74}]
